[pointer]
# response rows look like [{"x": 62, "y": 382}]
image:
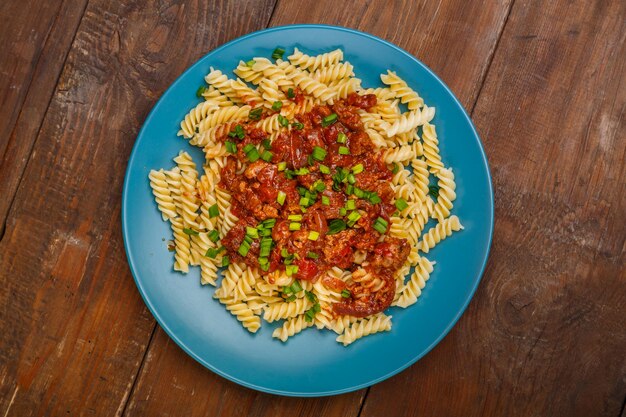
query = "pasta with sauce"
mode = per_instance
[{"x": 314, "y": 205}]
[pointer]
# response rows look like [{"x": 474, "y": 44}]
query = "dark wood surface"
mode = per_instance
[{"x": 545, "y": 83}]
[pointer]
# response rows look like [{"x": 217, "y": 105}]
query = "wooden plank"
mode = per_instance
[
  {"x": 169, "y": 377},
  {"x": 34, "y": 48},
  {"x": 545, "y": 332},
  {"x": 172, "y": 383},
  {"x": 454, "y": 38},
  {"x": 74, "y": 328}
]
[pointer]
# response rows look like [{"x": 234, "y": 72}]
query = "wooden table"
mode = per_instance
[{"x": 545, "y": 83}]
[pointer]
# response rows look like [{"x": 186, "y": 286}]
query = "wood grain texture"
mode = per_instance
[
  {"x": 454, "y": 38},
  {"x": 34, "y": 48},
  {"x": 185, "y": 378},
  {"x": 74, "y": 328},
  {"x": 544, "y": 335},
  {"x": 173, "y": 384}
]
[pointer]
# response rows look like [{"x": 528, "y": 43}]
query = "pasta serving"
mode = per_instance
[{"x": 314, "y": 196}]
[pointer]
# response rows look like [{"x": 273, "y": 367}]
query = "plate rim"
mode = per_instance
[{"x": 211, "y": 367}]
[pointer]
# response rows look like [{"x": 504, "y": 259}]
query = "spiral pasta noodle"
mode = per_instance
[
  {"x": 312, "y": 63},
  {"x": 162, "y": 195},
  {"x": 402, "y": 91},
  {"x": 291, "y": 327},
  {"x": 365, "y": 327},
  {"x": 439, "y": 233}
]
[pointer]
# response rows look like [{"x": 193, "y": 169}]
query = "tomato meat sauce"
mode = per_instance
[{"x": 312, "y": 198}]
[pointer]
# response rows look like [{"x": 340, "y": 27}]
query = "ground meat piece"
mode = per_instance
[
  {"x": 390, "y": 254},
  {"x": 280, "y": 232},
  {"x": 365, "y": 101},
  {"x": 338, "y": 248},
  {"x": 360, "y": 143},
  {"x": 348, "y": 115}
]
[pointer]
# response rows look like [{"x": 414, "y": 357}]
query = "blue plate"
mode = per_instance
[{"x": 312, "y": 363}]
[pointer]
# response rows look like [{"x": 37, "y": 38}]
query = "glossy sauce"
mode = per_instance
[{"x": 254, "y": 199}]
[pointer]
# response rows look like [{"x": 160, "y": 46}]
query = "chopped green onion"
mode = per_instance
[
  {"x": 267, "y": 156},
  {"x": 350, "y": 205},
  {"x": 282, "y": 120},
  {"x": 296, "y": 287},
  {"x": 190, "y": 232},
  {"x": 358, "y": 192},
  {"x": 395, "y": 168},
  {"x": 269, "y": 223},
  {"x": 250, "y": 63},
  {"x": 329, "y": 120},
  {"x": 294, "y": 226},
  {"x": 214, "y": 211},
  {"x": 212, "y": 253},
  {"x": 304, "y": 201},
  {"x": 344, "y": 150},
  {"x": 346, "y": 294},
  {"x": 290, "y": 93},
  {"x": 287, "y": 290},
  {"x": 295, "y": 217},
  {"x": 380, "y": 225},
  {"x": 313, "y": 235},
  {"x": 289, "y": 174},
  {"x": 243, "y": 248},
  {"x": 214, "y": 236},
  {"x": 336, "y": 226},
  {"x": 263, "y": 260},
  {"x": 434, "y": 191},
  {"x": 278, "y": 53},
  {"x": 312, "y": 255},
  {"x": 280, "y": 198},
  {"x": 351, "y": 178},
  {"x": 309, "y": 316},
  {"x": 324, "y": 169},
  {"x": 255, "y": 114},
  {"x": 291, "y": 298},
  {"x": 265, "y": 232},
  {"x": 341, "y": 137},
  {"x": 357, "y": 169},
  {"x": 284, "y": 252},
  {"x": 319, "y": 153},
  {"x": 265, "y": 267},
  {"x": 353, "y": 217},
  {"x": 374, "y": 198},
  {"x": 343, "y": 211},
  {"x": 267, "y": 144},
  {"x": 282, "y": 166},
  {"x": 225, "y": 261},
  {"x": 200, "y": 91},
  {"x": 349, "y": 189},
  {"x": 277, "y": 105},
  {"x": 325, "y": 200},
  {"x": 231, "y": 147},
  {"x": 237, "y": 132},
  {"x": 401, "y": 204},
  {"x": 319, "y": 186},
  {"x": 302, "y": 171},
  {"x": 310, "y": 296},
  {"x": 252, "y": 232},
  {"x": 291, "y": 269},
  {"x": 251, "y": 152},
  {"x": 298, "y": 125}
]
